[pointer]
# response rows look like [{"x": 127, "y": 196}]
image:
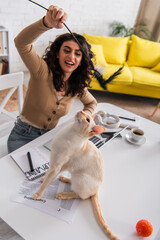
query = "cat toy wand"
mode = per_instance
[{"x": 97, "y": 74}]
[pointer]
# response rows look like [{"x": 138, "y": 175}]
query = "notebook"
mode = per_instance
[{"x": 40, "y": 163}]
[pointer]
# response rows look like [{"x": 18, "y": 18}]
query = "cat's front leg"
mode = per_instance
[{"x": 48, "y": 178}]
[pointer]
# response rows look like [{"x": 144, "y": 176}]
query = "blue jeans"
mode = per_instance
[{"x": 21, "y": 134}]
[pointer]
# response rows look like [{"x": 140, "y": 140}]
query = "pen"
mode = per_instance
[
  {"x": 131, "y": 119},
  {"x": 30, "y": 161}
]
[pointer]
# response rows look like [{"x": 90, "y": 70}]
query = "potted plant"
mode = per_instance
[{"x": 120, "y": 30}]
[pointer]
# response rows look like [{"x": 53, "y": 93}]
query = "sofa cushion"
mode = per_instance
[
  {"x": 115, "y": 49},
  {"x": 145, "y": 78},
  {"x": 143, "y": 53},
  {"x": 99, "y": 56},
  {"x": 125, "y": 78},
  {"x": 156, "y": 68}
]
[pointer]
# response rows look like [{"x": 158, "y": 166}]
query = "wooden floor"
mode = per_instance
[{"x": 7, "y": 233}]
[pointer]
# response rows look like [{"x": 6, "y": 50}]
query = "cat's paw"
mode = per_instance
[
  {"x": 42, "y": 179},
  {"x": 60, "y": 195},
  {"x": 66, "y": 195},
  {"x": 64, "y": 179},
  {"x": 37, "y": 196}
]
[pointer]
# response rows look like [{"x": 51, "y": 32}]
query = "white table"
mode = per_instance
[{"x": 130, "y": 191}]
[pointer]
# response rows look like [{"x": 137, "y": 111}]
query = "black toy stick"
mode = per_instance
[{"x": 97, "y": 74}]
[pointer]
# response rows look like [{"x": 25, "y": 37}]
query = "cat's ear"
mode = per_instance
[
  {"x": 97, "y": 129},
  {"x": 93, "y": 116}
]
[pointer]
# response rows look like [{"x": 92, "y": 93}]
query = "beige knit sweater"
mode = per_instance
[{"x": 41, "y": 105}]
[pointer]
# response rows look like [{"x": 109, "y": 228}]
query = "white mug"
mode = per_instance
[{"x": 137, "y": 134}]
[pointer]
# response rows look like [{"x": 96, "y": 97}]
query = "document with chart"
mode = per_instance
[{"x": 61, "y": 209}]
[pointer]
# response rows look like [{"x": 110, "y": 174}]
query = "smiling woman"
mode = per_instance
[
  {"x": 56, "y": 79},
  {"x": 70, "y": 57},
  {"x": 67, "y": 63}
]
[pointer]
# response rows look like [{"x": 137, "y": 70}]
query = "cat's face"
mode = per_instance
[{"x": 86, "y": 125}]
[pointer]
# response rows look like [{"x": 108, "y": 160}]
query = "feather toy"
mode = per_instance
[{"x": 103, "y": 82}]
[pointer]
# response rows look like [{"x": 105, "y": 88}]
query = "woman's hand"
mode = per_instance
[{"x": 55, "y": 17}]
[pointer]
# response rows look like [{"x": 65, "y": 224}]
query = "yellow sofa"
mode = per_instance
[{"x": 141, "y": 59}]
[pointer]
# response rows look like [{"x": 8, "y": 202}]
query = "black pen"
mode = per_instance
[
  {"x": 30, "y": 161},
  {"x": 126, "y": 118}
]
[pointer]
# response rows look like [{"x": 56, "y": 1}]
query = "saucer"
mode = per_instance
[{"x": 131, "y": 140}]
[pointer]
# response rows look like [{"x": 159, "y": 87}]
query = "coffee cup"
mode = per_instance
[{"x": 137, "y": 134}]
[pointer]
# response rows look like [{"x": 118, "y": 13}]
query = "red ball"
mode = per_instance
[{"x": 144, "y": 228}]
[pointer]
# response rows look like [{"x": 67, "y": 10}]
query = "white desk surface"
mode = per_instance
[{"x": 130, "y": 191}]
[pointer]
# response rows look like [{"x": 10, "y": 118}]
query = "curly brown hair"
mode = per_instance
[{"x": 80, "y": 77}]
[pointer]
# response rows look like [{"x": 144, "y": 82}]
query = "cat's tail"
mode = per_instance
[{"x": 100, "y": 219}]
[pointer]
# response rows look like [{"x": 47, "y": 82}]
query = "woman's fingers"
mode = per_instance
[
  {"x": 55, "y": 17},
  {"x": 59, "y": 16},
  {"x": 64, "y": 18}
]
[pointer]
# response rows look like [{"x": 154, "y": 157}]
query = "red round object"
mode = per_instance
[{"x": 144, "y": 228}]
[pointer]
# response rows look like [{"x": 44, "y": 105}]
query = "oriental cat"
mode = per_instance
[{"x": 72, "y": 151}]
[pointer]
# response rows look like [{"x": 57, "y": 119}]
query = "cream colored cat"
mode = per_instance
[{"x": 72, "y": 151}]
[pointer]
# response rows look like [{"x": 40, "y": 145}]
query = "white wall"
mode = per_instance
[{"x": 90, "y": 16}]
